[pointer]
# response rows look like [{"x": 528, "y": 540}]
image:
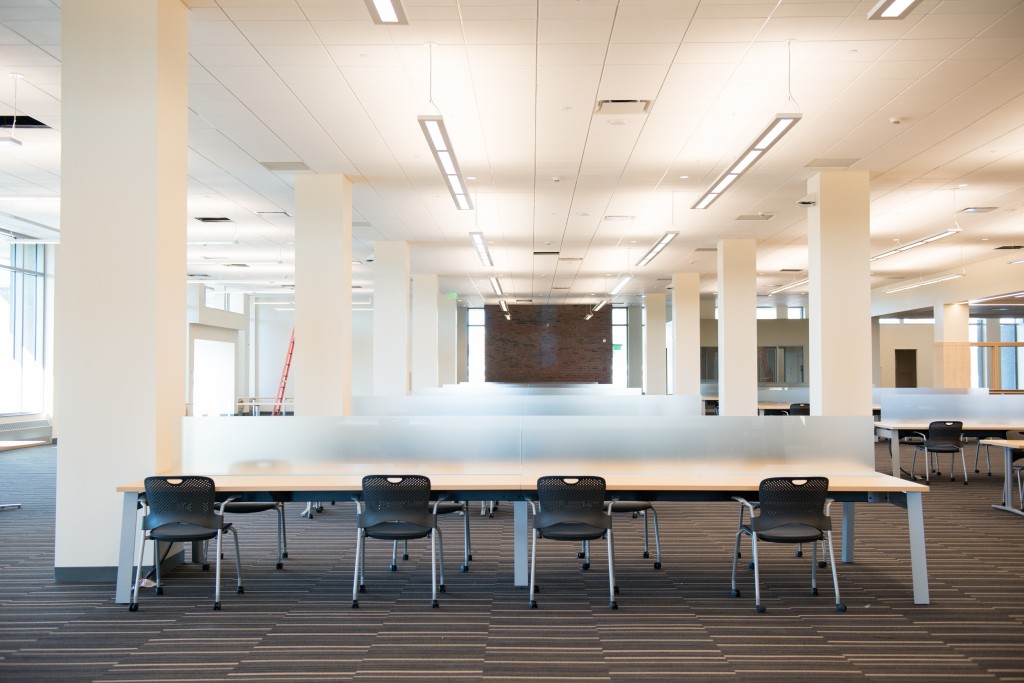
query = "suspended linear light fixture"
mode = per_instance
[
  {"x": 10, "y": 140},
  {"x": 656, "y": 249},
  {"x": 892, "y": 9},
  {"x": 791, "y": 285},
  {"x": 621, "y": 285},
  {"x": 780, "y": 125},
  {"x": 922, "y": 283},
  {"x": 437, "y": 137},
  {"x": 915, "y": 243},
  {"x": 387, "y": 12},
  {"x": 504, "y": 306},
  {"x": 600, "y": 305},
  {"x": 496, "y": 286},
  {"x": 589, "y": 315},
  {"x": 481, "y": 249}
]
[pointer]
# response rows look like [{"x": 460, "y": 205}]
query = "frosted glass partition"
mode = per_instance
[
  {"x": 655, "y": 445},
  {"x": 514, "y": 444},
  {"x": 326, "y": 445},
  {"x": 879, "y": 393},
  {"x": 961, "y": 407},
  {"x": 785, "y": 395},
  {"x": 531, "y": 389},
  {"x": 527, "y": 404}
]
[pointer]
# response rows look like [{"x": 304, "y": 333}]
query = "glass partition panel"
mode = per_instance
[
  {"x": 580, "y": 445},
  {"x": 785, "y": 395},
  {"x": 963, "y": 407},
  {"x": 325, "y": 445}
]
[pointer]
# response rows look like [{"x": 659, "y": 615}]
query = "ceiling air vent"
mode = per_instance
[
  {"x": 1010, "y": 247},
  {"x": 213, "y": 219},
  {"x": 559, "y": 288},
  {"x": 712, "y": 249},
  {"x": 524, "y": 301},
  {"x": 236, "y": 265},
  {"x": 622, "y": 107},
  {"x": 284, "y": 166},
  {"x": 545, "y": 253},
  {"x": 21, "y": 122},
  {"x": 198, "y": 275},
  {"x": 755, "y": 217},
  {"x": 792, "y": 270},
  {"x": 978, "y": 209}
]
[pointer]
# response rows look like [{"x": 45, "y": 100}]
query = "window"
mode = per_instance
[
  {"x": 21, "y": 336},
  {"x": 475, "y": 343}
]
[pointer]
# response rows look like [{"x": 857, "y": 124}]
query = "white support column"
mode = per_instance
[
  {"x": 952, "y": 357},
  {"x": 391, "y": 319},
  {"x": 840, "y": 294},
  {"x": 321, "y": 370},
  {"x": 635, "y": 347},
  {"x": 991, "y": 356},
  {"x": 122, "y": 355},
  {"x": 656, "y": 362},
  {"x": 737, "y": 327},
  {"x": 447, "y": 340},
  {"x": 425, "y": 332},
  {"x": 686, "y": 333}
]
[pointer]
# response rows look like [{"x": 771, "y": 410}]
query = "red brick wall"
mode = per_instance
[{"x": 548, "y": 344}]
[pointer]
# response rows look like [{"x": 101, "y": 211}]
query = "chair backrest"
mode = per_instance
[
  {"x": 396, "y": 498},
  {"x": 792, "y": 500},
  {"x": 184, "y": 499},
  {"x": 799, "y": 408},
  {"x": 572, "y": 499},
  {"x": 946, "y": 432}
]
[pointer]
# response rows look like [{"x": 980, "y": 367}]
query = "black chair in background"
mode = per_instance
[
  {"x": 244, "y": 507},
  {"x": 572, "y": 509},
  {"x": 799, "y": 408},
  {"x": 396, "y": 508},
  {"x": 636, "y": 508},
  {"x": 791, "y": 510},
  {"x": 442, "y": 508},
  {"x": 183, "y": 510},
  {"x": 944, "y": 436}
]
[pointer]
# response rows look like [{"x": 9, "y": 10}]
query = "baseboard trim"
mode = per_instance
[{"x": 108, "y": 574}]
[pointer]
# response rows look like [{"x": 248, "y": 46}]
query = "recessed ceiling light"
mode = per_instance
[{"x": 618, "y": 122}]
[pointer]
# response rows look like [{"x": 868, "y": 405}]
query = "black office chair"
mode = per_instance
[
  {"x": 441, "y": 509},
  {"x": 636, "y": 508},
  {"x": 244, "y": 507},
  {"x": 944, "y": 436},
  {"x": 790, "y": 510},
  {"x": 572, "y": 509},
  {"x": 183, "y": 510},
  {"x": 397, "y": 508},
  {"x": 799, "y": 408}
]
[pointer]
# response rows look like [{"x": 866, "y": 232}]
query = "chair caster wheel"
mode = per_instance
[
  {"x": 760, "y": 609},
  {"x": 134, "y": 607},
  {"x": 464, "y": 568},
  {"x": 977, "y": 471},
  {"x": 580, "y": 556},
  {"x": 362, "y": 589},
  {"x": 405, "y": 556},
  {"x": 657, "y": 565},
  {"x": 241, "y": 589},
  {"x": 616, "y": 590},
  {"x": 799, "y": 553},
  {"x": 284, "y": 555},
  {"x": 355, "y": 604},
  {"x": 965, "y": 483},
  {"x": 206, "y": 567},
  {"x": 394, "y": 568},
  {"x": 435, "y": 604},
  {"x": 750, "y": 566},
  {"x": 160, "y": 590},
  {"x": 470, "y": 557},
  {"x": 735, "y": 593},
  {"x": 814, "y": 591},
  {"x": 533, "y": 604},
  {"x": 586, "y": 566},
  {"x": 647, "y": 556},
  {"x": 613, "y": 605},
  {"x": 441, "y": 589},
  {"x": 840, "y": 607},
  {"x": 216, "y": 606},
  {"x": 821, "y": 565},
  {"x": 536, "y": 589},
  {"x": 280, "y": 565},
  {"x": 319, "y": 508}
]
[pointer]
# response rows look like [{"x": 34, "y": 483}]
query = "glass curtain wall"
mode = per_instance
[{"x": 22, "y": 269}]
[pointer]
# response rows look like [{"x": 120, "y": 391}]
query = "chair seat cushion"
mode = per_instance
[
  {"x": 571, "y": 531},
  {"x": 179, "y": 532},
  {"x": 397, "y": 531},
  {"x": 791, "y": 533},
  {"x": 941, "y": 448},
  {"x": 629, "y": 505}
]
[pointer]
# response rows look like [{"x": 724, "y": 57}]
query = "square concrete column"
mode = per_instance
[
  {"x": 321, "y": 369},
  {"x": 657, "y": 363},
  {"x": 952, "y": 356},
  {"x": 447, "y": 340},
  {"x": 123, "y": 206},
  {"x": 737, "y": 327},
  {"x": 635, "y": 347},
  {"x": 391, "y": 319},
  {"x": 840, "y": 294},
  {"x": 686, "y": 333},
  {"x": 425, "y": 332}
]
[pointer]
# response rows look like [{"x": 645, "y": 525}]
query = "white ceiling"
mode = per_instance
[{"x": 315, "y": 82}]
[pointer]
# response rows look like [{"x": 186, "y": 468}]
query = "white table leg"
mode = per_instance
[
  {"x": 894, "y": 452},
  {"x": 918, "y": 561},
  {"x": 521, "y": 537},
  {"x": 849, "y": 509},
  {"x": 126, "y": 552}
]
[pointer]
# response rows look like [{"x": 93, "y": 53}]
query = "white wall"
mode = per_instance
[{"x": 919, "y": 337}]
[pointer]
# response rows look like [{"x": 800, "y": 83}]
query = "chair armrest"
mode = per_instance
[
  {"x": 922, "y": 435},
  {"x": 220, "y": 506},
  {"x": 359, "y": 507},
  {"x": 747, "y": 504},
  {"x": 533, "y": 505},
  {"x": 828, "y": 504}
]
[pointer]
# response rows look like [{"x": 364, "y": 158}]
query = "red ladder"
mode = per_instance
[{"x": 279, "y": 402}]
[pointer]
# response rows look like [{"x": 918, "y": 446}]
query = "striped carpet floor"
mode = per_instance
[{"x": 674, "y": 624}]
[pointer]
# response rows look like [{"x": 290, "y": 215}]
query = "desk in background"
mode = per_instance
[
  {"x": 894, "y": 430},
  {"x": 1009, "y": 446}
]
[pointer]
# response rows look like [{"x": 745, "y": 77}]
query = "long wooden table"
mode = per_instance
[
  {"x": 896, "y": 429},
  {"x": 624, "y": 481},
  {"x": 1008, "y": 446}
]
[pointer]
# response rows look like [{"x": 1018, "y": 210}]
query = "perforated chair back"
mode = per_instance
[
  {"x": 792, "y": 502},
  {"x": 403, "y": 498},
  {"x": 571, "y": 500},
  {"x": 181, "y": 500},
  {"x": 799, "y": 408},
  {"x": 944, "y": 436}
]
